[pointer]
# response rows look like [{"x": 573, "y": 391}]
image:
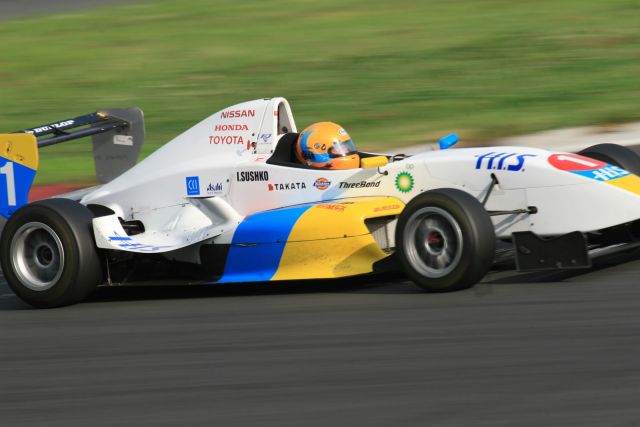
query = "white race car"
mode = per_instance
[{"x": 227, "y": 201}]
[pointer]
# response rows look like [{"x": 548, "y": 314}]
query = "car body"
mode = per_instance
[{"x": 227, "y": 201}]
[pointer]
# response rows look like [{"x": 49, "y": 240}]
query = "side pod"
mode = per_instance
[{"x": 18, "y": 166}]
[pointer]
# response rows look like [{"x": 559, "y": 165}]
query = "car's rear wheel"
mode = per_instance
[
  {"x": 616, "y": 155},
  {"x": 48, "y": 255},
  {"x": 445, "y": 240}
]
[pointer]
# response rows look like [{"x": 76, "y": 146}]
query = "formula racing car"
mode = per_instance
[{"x": 227, "y": 201}]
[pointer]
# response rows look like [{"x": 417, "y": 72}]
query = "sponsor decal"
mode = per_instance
[
  {"x": 226, "y": 140},
  {"x": 50, "y": 127},
  {"x": 404, "y": 182},
  {"x": 215, "y": 188},
  {"x": 127, "y": 242},
  {"x": 574, "y": 162},
  {"x": 360, "y": 184},
  {"x": 322, "y": 183},
  {"x": 604, "y": 174},
  {"x": 502, "y": 161},
  {"x": 227, "y": 128},
  {"x": 265, "y": 137},
  {"x": 386, "y": 208},
  {"x": 260, "y": 159},
  {"x": 287, "y": 186},
  {"x": 233, "y": 114},
  {"x": 252, "y": 176},
  {"x": 193, "y": 185},
  {"x": 332, "y": 207},
  {"x": 341, "y": 131},
  {"x": 123, "y": 140},
  {"x": 587, "y": 167}
]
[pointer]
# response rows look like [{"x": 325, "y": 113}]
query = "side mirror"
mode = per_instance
[
  {"x": 448, "y": 141},
  {"x": 373, "y": 162}
]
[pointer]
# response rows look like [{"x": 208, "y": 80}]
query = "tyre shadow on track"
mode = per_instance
[
  {"x": 388, "y": 283},
  {"x": 391, "y": 283},
  {"x": 9, "y": 302},
  {"x": 374, "y": 284}
]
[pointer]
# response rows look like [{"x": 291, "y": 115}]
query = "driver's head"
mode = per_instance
[{"x": 327, "y": 145}]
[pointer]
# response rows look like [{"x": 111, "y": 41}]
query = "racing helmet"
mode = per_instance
[{"x": 327, "y": 145}]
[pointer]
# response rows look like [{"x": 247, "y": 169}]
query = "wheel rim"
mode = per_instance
[
  {"x": 433, "y": 242},
  {"x": 37, "y": 256}
]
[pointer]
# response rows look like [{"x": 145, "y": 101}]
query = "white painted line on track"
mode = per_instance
[{"x": 7, "y": 295}]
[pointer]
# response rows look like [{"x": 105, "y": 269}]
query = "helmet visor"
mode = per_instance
[{"x": 343, "y": 148}]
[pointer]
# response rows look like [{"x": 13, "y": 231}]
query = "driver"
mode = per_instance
[{"x": 326, "y": 145}]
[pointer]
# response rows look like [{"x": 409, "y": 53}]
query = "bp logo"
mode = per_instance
[{"x": 404, "y": 182}]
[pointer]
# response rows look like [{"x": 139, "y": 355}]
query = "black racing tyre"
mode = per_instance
[
  {"x": 48, "y": 254},
  {"x": 445, "y": 240},
  {"x": 616, "y": 155}
]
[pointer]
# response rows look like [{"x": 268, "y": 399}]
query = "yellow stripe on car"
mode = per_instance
[
  {"x": 630, "y": 183},
  {"x": 352, "y": 249},
  {"x": 20, "y": 148}
]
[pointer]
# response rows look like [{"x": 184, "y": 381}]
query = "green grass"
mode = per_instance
[{"x": 392, "y": 73}]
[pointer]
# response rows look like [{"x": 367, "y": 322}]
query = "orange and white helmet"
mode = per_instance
[{"x": 327, "y": 145}]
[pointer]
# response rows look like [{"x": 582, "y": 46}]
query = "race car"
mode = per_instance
[{"x": 228, "y": 201}]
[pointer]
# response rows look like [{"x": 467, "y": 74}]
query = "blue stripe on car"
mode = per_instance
[{"x": 258, "y": 243}]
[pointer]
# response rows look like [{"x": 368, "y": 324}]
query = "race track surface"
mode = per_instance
[{"x": 518, "y": 349}]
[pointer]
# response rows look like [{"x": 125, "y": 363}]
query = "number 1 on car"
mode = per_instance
[{"x": 7, "y": 170}]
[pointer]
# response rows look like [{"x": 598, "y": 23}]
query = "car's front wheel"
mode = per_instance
[
  {"x": 445, "y": 240},
  {"x": 616, "y": 155},
  {"x": 48, "y": 255}
]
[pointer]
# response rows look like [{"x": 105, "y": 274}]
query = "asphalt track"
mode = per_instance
[{"x": 518, "y": 349}]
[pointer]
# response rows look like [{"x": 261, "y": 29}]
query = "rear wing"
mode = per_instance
[{"x": 117, "y": 136}]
